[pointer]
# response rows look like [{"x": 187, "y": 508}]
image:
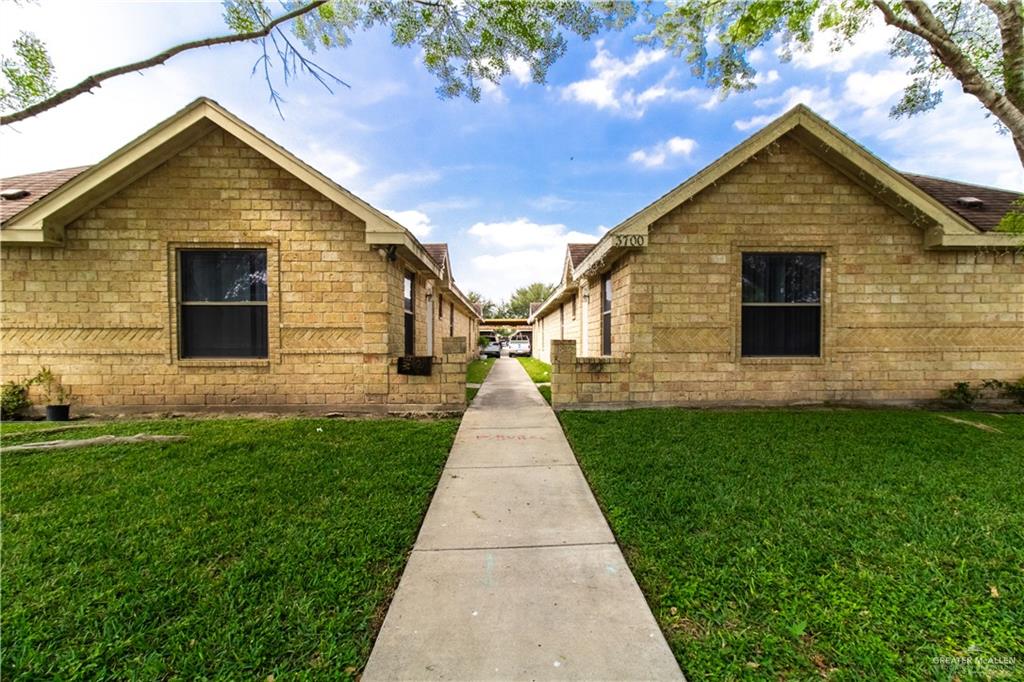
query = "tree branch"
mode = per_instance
[
  {"x": 95, "y": 80},
  {"x": 926, "y": 26},
  {"x": 896, "y": 21}
]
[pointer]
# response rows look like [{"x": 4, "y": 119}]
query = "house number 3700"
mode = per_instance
[{"x": 630, "y": 240}]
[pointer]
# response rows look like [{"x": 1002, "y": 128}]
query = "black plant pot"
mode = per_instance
[{"x": 58, "y": 413}]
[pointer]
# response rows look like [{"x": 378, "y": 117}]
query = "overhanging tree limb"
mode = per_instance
[
  {"x": 95, "y": 80},
  {"x": 928, "y": 27}
]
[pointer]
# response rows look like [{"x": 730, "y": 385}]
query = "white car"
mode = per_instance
[
  {"x": 493, "y": 347},
  {"x": 519, "y": 344}
]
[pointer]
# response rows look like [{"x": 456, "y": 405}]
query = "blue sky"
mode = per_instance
[{"x": 506, "y": 181}]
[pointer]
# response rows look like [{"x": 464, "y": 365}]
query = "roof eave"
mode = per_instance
[
  {"x": 825, "y": 139},
  {"x": 53, "y": 212},
  {"x": 936, "y": 239},
  {"x": 559, "y": 295}
]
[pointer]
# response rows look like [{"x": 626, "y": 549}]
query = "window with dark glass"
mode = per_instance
[
  {"x": 223, "y": 303},
  {"x": 606, "y": 314},
  {"x": 451, "y": 319},
  {"x": 781, "y": 304},
  {"x": 410, "y": 314},
  {"x": 440, "y": 307}
]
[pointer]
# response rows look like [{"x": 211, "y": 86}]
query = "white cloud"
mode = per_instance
[
  {"x": 871, "y": 90},
  {"x": 332, "y": 163},
  {"x": 521, "y": 75},
  {"x": 391, "y": 184},
  {"x": 818, "y": 99},
  {"x": 517, "y": 233},
  {"x": 955, "y": 140},
  {"x": 449, "y": 204},
  {"x": 661, "y": 153},
  {"x": 605, "y": 90},
  {"x": 551, "y": 202},
  {"x": 764, "y": 78},
  {"x": 492, "y": 91},
  {"x": 518, "y": 252},
  {"x": 713, "y": 101},
  {"x": 873, "y": 40},
  {"x": 416, "y": 222},
  {"x": 520, "y": 71}
]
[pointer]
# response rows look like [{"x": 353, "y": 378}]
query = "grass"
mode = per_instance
[
  {"x": 255, "y": 548},
  {"x": 845, "y": 544},
  {"x": 477, "y": 370},
  {"x": 540, "y": 372}
]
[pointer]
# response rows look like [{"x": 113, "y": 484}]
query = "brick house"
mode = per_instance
[
  {"x": 202, "y": 266},
  {"x": 796, "y": 268}
]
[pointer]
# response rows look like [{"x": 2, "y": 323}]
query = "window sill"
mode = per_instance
[
  {"x": 783, "y": 360},
  {"x": 223, "y": 362}
]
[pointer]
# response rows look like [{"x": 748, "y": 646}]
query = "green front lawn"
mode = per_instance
[
  {"x": 539, "y": 371},
  {"x": 845, "y": 544},
  {"x": 255, "y": 548}
]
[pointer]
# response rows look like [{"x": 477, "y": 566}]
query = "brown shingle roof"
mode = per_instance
[
  {"x": 996, "y": 203},
  {"x": 437, "y": 251},
  {"x": 577, "y": 252},
  {"x": 38, "y": 186}
]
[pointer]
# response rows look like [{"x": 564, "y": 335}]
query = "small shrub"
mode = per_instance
[
  {"x": 962, "y": 393},
  {"x": 965, "y": 395},
  {"x": 14, "y": 398},
  {"x": 1008, "y": 389}
]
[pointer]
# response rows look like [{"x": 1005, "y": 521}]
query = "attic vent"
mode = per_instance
[
  {"x": 970, "y": 202},
  {"x": 13, "y": 194}
]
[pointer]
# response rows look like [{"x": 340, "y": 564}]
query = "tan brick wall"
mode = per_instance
[
  {"x": 547, "y": 330},
  {"x": 462, "y": 327},
  {"x": 102, "y": 309},
  {"x": 899, "y": 322}
]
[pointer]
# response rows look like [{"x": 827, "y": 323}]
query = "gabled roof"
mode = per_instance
[
  {"x": 42, "y": 222},
  {"x": 439, "y": 254},
  {"x": 577, "y": 252},
  {"x": 38, "y": 185},
  {"x": 995, "y": 203},
  {"x": 574, "y": 255},
  {"x": 946, "y": 227}
]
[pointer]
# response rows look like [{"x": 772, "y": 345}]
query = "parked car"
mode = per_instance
[
  {"x": 519, "y": 344},
  {"x": 493, "y": 347}
]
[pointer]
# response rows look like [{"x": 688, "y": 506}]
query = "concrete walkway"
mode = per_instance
[{"x": 515, "y": 574}]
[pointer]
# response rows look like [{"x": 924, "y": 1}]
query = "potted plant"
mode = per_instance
[{"x": 58, "y": 396}]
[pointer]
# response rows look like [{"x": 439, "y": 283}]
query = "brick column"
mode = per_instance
[
  {"x": 563, "y": 373},
  {"x": 453, "y": 371}
]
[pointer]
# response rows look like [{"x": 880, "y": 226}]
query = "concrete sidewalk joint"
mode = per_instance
[{"x": 515, "y": 573}]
